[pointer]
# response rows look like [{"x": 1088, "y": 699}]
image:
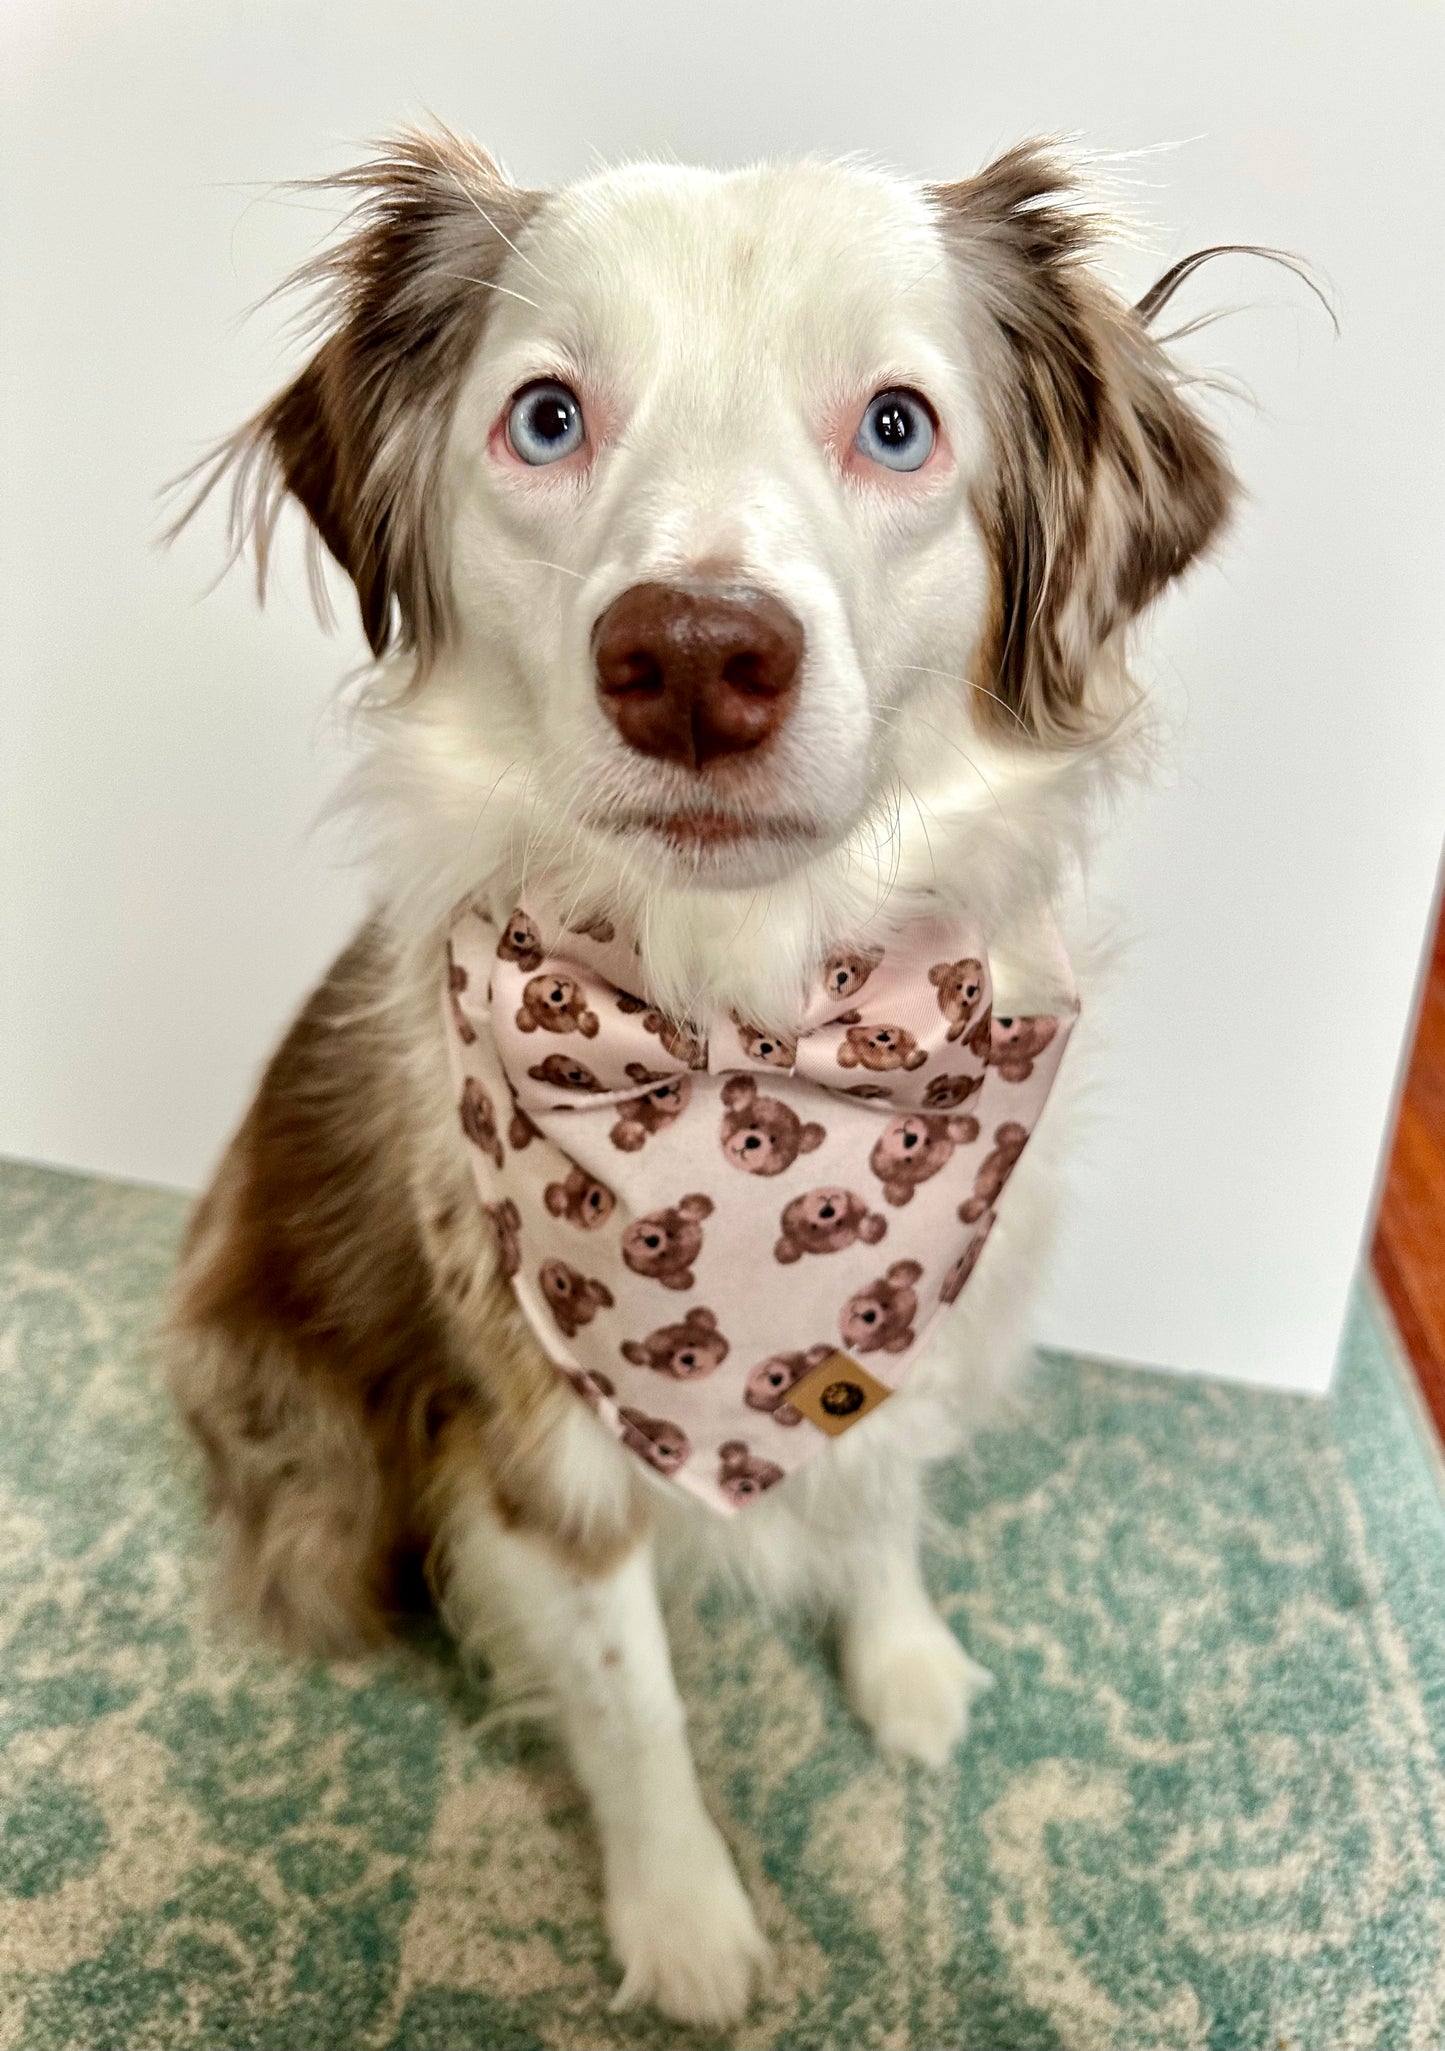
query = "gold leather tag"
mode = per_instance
[{"x": 836, "y": 1393}]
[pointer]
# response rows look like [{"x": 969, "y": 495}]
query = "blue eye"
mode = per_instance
[
  {"x": 545, "y": 422},
  {"x": 898, "y": 430}
]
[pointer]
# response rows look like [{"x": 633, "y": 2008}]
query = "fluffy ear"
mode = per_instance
[
  {"x": 358, "y": 437},
  {"x": 1106, "y": 483}
]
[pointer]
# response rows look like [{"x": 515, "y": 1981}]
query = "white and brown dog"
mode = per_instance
[{"x": 749, "y": 553}]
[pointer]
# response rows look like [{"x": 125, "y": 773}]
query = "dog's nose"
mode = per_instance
[{"x": 690, "y": 673}]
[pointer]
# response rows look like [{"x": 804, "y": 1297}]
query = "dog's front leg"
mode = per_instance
[
  {"x": 679, "y": 1921},
  {"x": 904, "y": 1672}
]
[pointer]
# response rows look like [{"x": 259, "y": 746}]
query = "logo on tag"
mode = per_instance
[{"x": 836, "y": 1393}]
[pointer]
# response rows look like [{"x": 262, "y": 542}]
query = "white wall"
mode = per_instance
[{"x": 163, "y": 749}]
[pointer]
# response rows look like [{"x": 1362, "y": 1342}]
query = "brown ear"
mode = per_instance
[
  {"x": 1106, "y": 483},
  {"x": 358, "y": 437}
]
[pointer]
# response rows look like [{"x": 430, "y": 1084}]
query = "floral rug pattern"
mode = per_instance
[{"x": 1204, "y": 1805}]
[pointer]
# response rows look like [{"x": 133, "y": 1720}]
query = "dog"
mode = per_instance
[{"x": 752, "y": 553}]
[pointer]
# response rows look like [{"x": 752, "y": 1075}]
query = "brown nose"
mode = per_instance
[{"x": 691, "y": 673}]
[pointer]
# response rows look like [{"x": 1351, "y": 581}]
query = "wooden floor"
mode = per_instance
[{"x": 1409, "y": 1249}]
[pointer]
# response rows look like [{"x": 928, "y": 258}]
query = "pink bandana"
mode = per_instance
[{"x": 735, "y": 1249}]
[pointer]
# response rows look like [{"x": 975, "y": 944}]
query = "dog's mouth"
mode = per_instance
[{"x": 707, "y": 832}]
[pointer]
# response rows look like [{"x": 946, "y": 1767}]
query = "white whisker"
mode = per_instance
[
  {"x": 464, "y": 278},
  {"x": 961, "y": 752},
  {"x": 537, "y": 562},
  {"x": 521, "y": 256},
  {"x": 952, "y": 677}
]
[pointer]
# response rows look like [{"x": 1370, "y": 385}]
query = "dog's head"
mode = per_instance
[{"x": 692, "y": 485}]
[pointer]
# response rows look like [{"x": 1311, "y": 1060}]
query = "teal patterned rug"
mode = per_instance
[{"x": 1204, "y": 1805}]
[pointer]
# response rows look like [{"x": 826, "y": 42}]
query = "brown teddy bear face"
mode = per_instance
[
  {"x": 944, "y": 1092},
  {"x": 506, "y": 1222},
  {"x": 760, "y": 1135},
  {"x": 573, "y": 1299},
  {"x": 742, "y": 1475},
  {"x": 521, "y": 943},
  {"x": 825, "y": 1221},
  {"x": 880, "y": 1048},
  {"x": 687, "y": 1351},
  {"x": 479, "y": 1122},
  {"x": 580, "y": 1200},
  {"x": 960, "y": 986},
  {"x": 847, "y": 969},
  {"x": 662, "y": 1444},
  {"x": 1015, "y": 1043},
  {"x": 664, "y": 1245},
  {"x": 653, "y": 1113},
  {"x": 565, "y": 1074},
  {"x": 456, "y": 983},
  {"x": 994, "y": 1171},
  {"x": 909, "y": 1150},
  {"x": 521, "y": 1131},
  {"x": 768, "y": 1384},
  {"x": 775, "y": 1050},
  {"x": 680, "y": 1041},
  {"x": 555, "y": 1004},
  {"x": 599, "y": 929},
  {"x": 879, "y": 1319},
  {"x": 967, "y": 1261}
]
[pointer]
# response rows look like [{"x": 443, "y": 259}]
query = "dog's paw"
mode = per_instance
[
  {"x": 684, "y": 1932},
  {"x": 912, "y": 1683}
]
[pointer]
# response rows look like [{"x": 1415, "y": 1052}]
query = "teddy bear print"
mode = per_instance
[
  {"x": 664, "y": 1244},
  {"x": 909, "y": 1150},
  {"x": 573, "y": 1299},
  {"x": 967, "y": 1261},
  {"x": 774, "y": 1050},
  {"x": 521, "y": 1131},
  {"x": 565, "y": 1074},
  {"x": 466, "y": 1032},
  {"x": 506, "y": 1221},
  {"x": 479, "y": 1122},
  {"x": 768, "y": 1383},
  {"x": 662, "y": 1444},
  {"x": 826, "y": 1221},
  {"x": 638, "y": 1120},
  {"x": 589, "y": 1386},
  {"x": 741, "y": 1475},
  {"x": 687, "y": 1351},
  {"x": 581, "y": 1199},
  {"x": 521, "y": 943},
  {"x": 556, "y": 1004},
  {"x": 960, "y": 986},
  {"x": 880, "y": 1048},
  {"x": 994, "y": 1171},
  {"x": 760, "y": 1135},
  {"x": 847, "y": 969},
  {"x": 879, "y": 1319},
  {"x": 946, "y": 1092},
  {"x": 870, "y": 1092},
  {"x": 599, "y": 929},
  {"x": 1014, "y": 1044},
  {"x": 679, "y": 1040}
]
